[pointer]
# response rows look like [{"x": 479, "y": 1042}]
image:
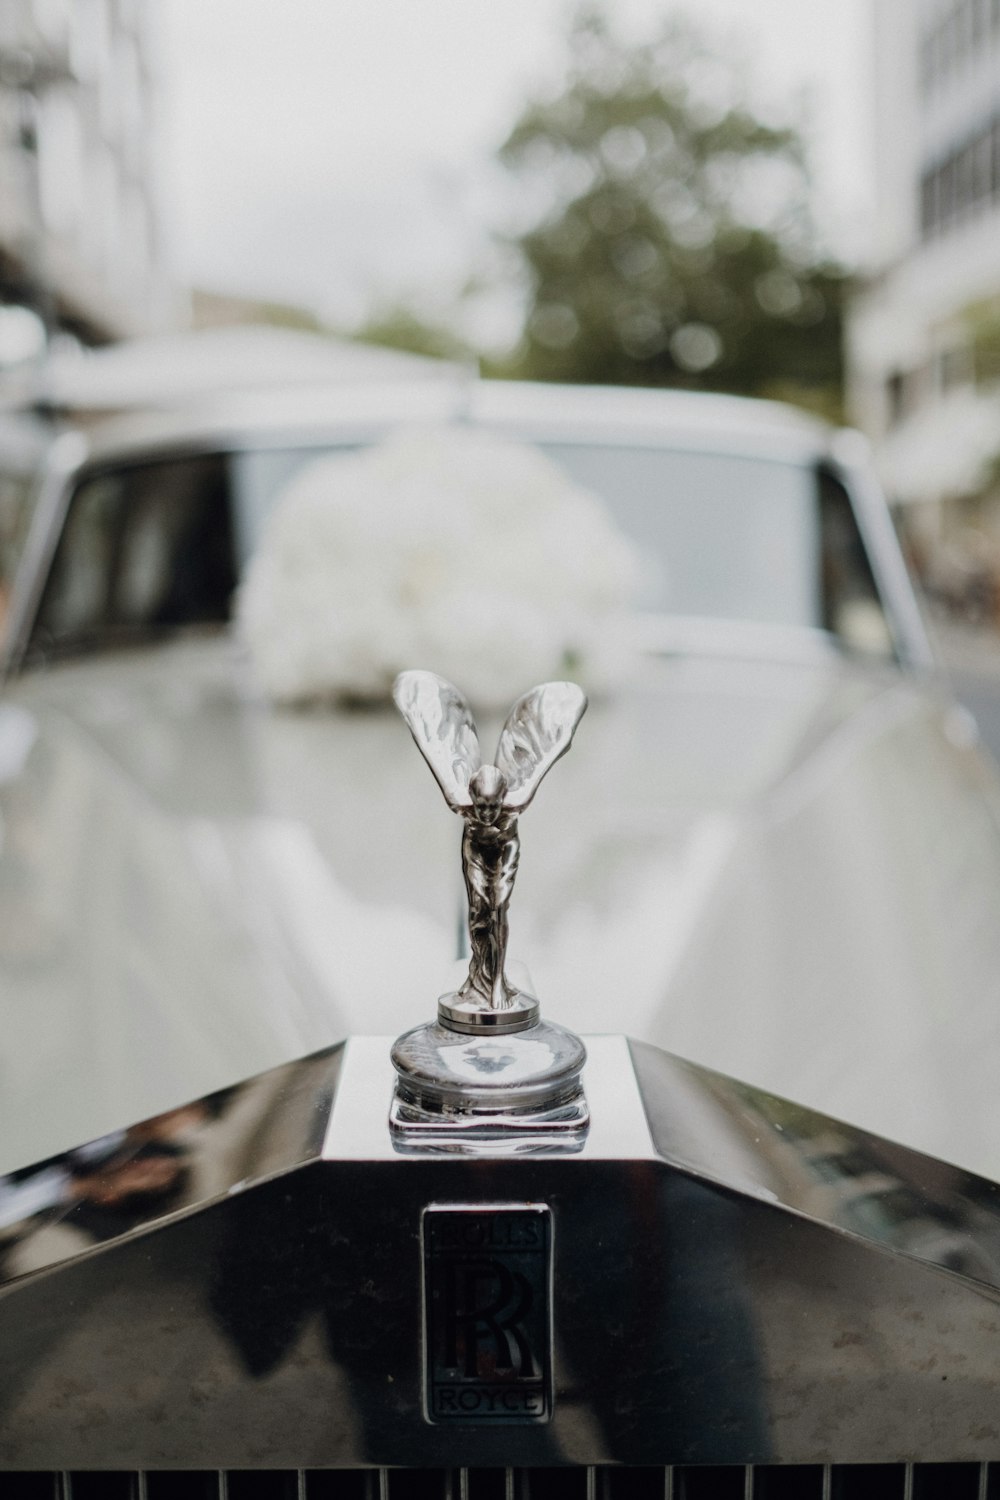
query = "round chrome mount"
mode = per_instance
[
  {"x": 521, "y": 1087},
  {"x": 469, "y": 1016}
]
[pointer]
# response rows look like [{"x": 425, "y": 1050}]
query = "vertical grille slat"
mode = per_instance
[{"x": 897, "y": 1481}]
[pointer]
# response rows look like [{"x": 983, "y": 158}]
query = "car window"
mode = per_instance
[
  {"x": 851, "y": 606},
  {"x": 143, "y": 549},
  {"x": 722, "y": 536},
  {"x": 731, "y": 537}
]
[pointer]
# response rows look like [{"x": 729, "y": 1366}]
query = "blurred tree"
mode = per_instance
[
  {"x": 668, "y": 237},
  {"x": 396, "y": 325}
]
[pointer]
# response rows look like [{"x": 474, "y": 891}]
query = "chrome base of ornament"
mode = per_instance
[
  {"x": 500, "y": 1093},
  {"x": 468, "y": 1014}
]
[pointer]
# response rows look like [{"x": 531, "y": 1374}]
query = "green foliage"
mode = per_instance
[
  {"x": 397, "y": 326},
  {"x": 284, "y": 315},
  {"x": 669, "y": 240},
  {"x": 981, "y": 322}
]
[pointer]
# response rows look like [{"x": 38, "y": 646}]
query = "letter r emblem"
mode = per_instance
[{"x": 487, "y": 1317}]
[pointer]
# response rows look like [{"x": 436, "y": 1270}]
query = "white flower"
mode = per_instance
[{"x": 444, "y": 548}]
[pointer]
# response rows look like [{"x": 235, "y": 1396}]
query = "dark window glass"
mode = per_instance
[
  {"x": 852, "y": 609},
  {"x": 143, "y": 551}
]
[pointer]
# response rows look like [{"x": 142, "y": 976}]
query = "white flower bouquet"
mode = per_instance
[{"x": 444, "y": 548}]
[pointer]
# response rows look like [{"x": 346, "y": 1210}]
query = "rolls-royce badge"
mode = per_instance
[{"x": 487, "y": 1313}]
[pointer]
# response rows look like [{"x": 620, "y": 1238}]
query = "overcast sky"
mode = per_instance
[{"x": 333, "y": 152}]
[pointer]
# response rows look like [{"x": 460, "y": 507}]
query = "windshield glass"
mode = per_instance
[
  {"x": 724, "y": 537},
  {"x": 152, "y": 546}
]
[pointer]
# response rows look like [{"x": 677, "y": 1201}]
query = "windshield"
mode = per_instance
[
  {"x": 154, "y": 546},
  {"x": 723, "y": 537}
]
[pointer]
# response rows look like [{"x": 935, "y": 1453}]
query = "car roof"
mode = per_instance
[{"x": 328, "y": 414}]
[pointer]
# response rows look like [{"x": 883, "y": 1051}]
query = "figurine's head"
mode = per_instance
[{"x": 488, "y": 788}]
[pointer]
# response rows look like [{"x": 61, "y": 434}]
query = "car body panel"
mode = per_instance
[{"x": 735, "y": 863}]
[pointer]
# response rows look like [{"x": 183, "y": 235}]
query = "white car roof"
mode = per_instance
[{"x": 317, "y": 415}]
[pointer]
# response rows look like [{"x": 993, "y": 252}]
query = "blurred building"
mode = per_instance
[
  {"x": 924, "y": 332},
  {"x": 79, "y": 237}
]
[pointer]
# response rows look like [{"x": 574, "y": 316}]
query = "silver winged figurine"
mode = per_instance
[{"x": 490, "y": 798}]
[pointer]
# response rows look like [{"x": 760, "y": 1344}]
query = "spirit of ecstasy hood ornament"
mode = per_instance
[
  {"x": 449, "y": 1084},
  {"x": 539, "y": 729}
]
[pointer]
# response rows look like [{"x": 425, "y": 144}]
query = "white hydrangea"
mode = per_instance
[{"x": 444, "y": 548}]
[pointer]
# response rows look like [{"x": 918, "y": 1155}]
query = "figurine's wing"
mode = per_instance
[
  {"x": 444, "y": 730},
  {"x": 539, "y": 728}
]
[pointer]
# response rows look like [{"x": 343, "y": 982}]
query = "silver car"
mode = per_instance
[{"x": 775, "y": 855}]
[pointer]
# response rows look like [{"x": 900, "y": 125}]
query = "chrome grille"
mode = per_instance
[{"x": 735, "y": 1482}]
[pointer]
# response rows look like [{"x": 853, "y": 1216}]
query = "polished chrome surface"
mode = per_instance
[
  {"x": 517, "y": 1092},
  {"x": 619, "y": 1130},
  {"x": 539, "y": 729},
  {"x": 736, "y": 1280},
  {"x": 139, "y": 1176}
]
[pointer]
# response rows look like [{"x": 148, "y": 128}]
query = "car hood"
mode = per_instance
[{"x": 784, "y": 870}]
